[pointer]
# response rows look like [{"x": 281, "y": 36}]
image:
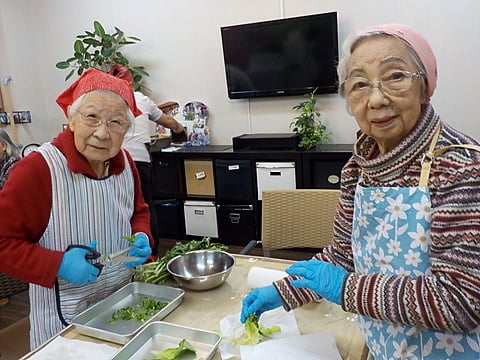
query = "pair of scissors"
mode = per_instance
[
  {"x": 118, "y": 257},
  {"x": 99, "y": 261}
]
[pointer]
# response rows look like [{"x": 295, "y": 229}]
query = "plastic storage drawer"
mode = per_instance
[
  {"x": 275, "y": 176},
  {"x": 200, "y": 218}
]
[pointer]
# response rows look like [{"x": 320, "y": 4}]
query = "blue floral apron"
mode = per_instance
[{"x": 391, "y": 235}]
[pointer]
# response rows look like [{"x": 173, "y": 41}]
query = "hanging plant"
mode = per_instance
[
  {"x": 307, "y": 125},
  {"x": 101, "y": 50}
]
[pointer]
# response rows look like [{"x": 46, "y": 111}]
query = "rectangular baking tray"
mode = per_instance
[
  {"x": 159, "y": 335},
  {"x": 94, "y": 321}
]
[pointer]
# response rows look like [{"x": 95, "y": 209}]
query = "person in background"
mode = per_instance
[
  {"x": 79, "y": 190},
  {"x": 9, "y": 155},
  {"x": 137, "y": 141},
  {"x": 406, "y": 244}
]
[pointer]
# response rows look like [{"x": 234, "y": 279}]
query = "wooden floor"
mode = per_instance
[{"x": 18, "y": 307}]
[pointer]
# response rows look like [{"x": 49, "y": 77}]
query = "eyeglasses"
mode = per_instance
[
  {"x": 393, "y": 82},
  {"x": 92, "y": 120}
]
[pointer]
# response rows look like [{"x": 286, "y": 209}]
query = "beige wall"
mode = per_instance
[{"x": 181, "y": 48}]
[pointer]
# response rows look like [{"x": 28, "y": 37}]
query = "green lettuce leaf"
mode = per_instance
[
  {"x": 254, "y": 332},
  {"x": 174, "y": 353}
]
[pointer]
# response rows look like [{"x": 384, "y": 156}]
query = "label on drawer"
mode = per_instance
[
  {"x": 333, "y": 179},
  {"x": 233, "y": 167},
  {"x": 200, "y": 175}
]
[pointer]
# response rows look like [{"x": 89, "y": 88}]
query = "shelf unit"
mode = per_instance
[{"x": 231, "y": 182}]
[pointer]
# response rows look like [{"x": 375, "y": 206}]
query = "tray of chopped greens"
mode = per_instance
[
  {"x": 121, "y": 315},
  {"x": 161, "y": 340}
]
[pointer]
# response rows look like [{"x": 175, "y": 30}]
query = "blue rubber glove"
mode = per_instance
[
  {"x": 75, "y": 269},
  {"x": 320, "y": 276},
  {"x": 141, "y": 248},
  {"x": 260, "y": 300}
]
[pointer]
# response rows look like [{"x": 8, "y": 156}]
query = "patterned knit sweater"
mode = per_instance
[{"x": 449, "y": 298}]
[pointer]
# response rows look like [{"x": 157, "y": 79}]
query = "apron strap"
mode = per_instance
[{"x": 431, "y": 154}]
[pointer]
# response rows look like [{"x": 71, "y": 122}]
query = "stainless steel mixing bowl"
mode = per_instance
[{"x": 201, "y": 269}]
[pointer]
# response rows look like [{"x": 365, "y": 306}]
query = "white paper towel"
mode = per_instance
[
  {"x": 284, "y": 345},
  {"x": 258, "y": 276},
  {"x": 231, "y": 328},
  {"x": 318, "y": 346},
  {"x": 73, "y": 349}
]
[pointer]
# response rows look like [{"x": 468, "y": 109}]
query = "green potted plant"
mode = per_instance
[
  {"x": 101, "y": 50},
  {"x": 307, "y": 126}
]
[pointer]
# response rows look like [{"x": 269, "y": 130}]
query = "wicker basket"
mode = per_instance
[{"x": 10, "y": 286}]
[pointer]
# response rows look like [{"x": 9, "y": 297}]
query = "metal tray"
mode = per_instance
[
  {"x": 160, "y": 335},
  {"x": 94, "y": 321}
]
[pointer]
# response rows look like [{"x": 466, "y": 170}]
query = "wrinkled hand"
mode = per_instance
[
  {"x": 260, "y": 300},
  {"x": 320, "y": 276},
  {"x": 75, "y": 269},
  {"x": 141, "y": 248}
]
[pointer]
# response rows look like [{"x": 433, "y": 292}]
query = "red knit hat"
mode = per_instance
[{"x": 93, "y": 79}]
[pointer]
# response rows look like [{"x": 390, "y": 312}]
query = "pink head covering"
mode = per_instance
[
  {"x": 417, "y": 42},
  {"x": 93, "y": 79}
]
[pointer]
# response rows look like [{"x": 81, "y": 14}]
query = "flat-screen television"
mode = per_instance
[{"x": 285, "y": 57}]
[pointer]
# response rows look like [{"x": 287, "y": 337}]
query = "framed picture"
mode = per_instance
[
  {"x": 4, "y": 118},
  {"x": 20, "y": 117}
]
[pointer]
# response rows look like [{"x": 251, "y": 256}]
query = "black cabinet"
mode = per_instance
[
  {"x": 234, "y": 180},
  {"x": 237, "y": 224},
  {"x": 170, "y": 218},
  {"x": 167, "y": 175},
  {"x": 322, "y": 169},
  {"x": 235, "y": 184}
]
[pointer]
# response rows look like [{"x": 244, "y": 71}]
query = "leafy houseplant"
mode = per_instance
[
  {"x": 101, "y": 50},
  {"x": 307, "y": 125}
]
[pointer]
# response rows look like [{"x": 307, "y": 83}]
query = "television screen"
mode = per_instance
[{"x": 283, "y": 57}]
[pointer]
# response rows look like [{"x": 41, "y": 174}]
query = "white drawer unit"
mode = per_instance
[
  {"x": 200, "y": 218},
  {"x": 275, "y": 176}
]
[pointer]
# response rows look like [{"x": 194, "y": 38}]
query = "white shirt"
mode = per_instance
[{"x": 142, "y": 128}]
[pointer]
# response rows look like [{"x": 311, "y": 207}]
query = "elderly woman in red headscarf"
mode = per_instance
[
  {"x": 406, "y": 244},
  {"x": 77, "y": 194}
]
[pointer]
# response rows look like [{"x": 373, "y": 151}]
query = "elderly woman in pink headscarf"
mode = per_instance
[
  {"x": 78, "y": 194},
  {"x": 406, "y": 244}
]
